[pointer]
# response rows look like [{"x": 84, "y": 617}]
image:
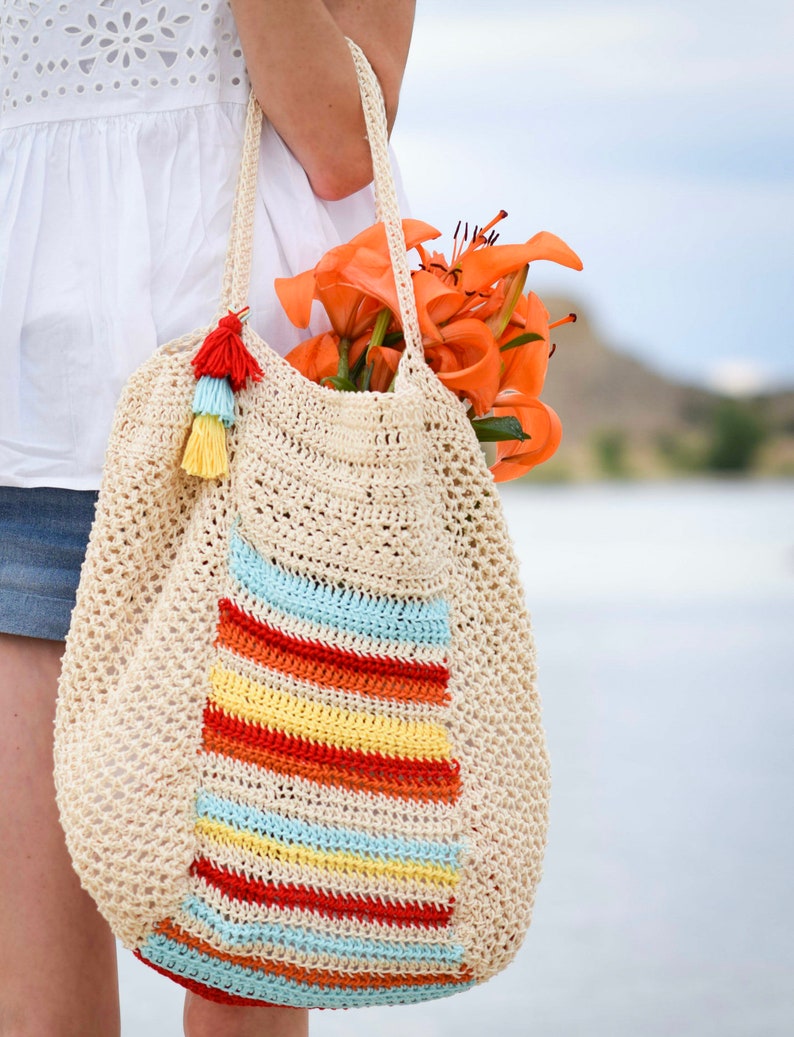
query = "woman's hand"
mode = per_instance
[{"x": 303, "y": 76}]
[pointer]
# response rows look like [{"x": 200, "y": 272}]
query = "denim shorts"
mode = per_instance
[{"x": 43, "y": 538}]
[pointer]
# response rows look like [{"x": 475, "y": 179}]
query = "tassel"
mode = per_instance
[
  {"x": 205, "y": 453},
  {"x": 223, "y": 353},
  {"x": 214, "y": 396}
]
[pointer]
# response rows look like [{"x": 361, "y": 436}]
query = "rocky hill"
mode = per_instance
[{"x": 622, "y": 418}]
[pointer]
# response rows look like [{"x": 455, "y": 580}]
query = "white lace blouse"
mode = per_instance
[{"x": 120, "y": 133}]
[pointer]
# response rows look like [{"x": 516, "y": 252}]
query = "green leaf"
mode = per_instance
[
  {"x": 520, "y": 340},
  {"x": 358, "y": 367},
  {"x": 496, "y": 430},
  {"x": 338, "y": 382},
  {"x": 513, "y": 287}
]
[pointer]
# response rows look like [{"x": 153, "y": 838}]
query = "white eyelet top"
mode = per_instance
[{"x": 121, "y": 127}]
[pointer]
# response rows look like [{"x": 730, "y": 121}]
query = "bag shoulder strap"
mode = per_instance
[{"x": 237, "y": 271}]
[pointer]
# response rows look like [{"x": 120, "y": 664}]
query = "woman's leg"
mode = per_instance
[
  {"x": 57, "y": 955},
  {"x": 209, "y": 1019}
]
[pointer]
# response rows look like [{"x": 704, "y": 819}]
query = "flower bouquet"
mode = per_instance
[{"x": 485, "y": 339}]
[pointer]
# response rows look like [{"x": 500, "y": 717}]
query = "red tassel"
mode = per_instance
[{"x": 223, "y": 354}]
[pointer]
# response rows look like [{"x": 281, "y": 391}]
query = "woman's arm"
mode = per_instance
[{"x": 303, "y": 76}]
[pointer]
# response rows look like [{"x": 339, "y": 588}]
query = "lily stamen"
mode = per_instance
[
  {"x": 501, "y": 215},
  {"x": 570, "y": 319}
]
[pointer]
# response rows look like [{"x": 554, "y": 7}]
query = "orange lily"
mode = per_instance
[
  {"x": 436, "y": 303},
  {"x": 367, "y": 273},
  {"x": 343, "y": 302},
  {"x": 524, "y": 370},
  {"x": 342, "y": 296},
  {"x": 296, "y": 295},
  {"x": 385, "y": 361},
  {"x": 317, "y": 357},
  {"x": 467, "y": 361},
  {"x": 521, "y": 384},
  {"x": 414, "y": 232},
  {"x": 542, "y": 425},
  {"x": 480, "y": 267}
]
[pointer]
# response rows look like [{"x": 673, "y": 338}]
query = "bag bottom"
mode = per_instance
[{"x": 207, "y": 978}]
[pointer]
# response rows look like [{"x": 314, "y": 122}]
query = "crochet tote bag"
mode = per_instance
[{"x": 299, "y": 757}]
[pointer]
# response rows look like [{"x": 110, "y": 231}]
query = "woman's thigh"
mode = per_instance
[{"x": 57, "y": 954}]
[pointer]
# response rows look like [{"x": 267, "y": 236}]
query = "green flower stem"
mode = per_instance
[
  {"x": 382, "y": 323},
  {"x": 343, "y": 369}
]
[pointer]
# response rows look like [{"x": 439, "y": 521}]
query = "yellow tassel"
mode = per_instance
[{"x": 205, "y": 453}]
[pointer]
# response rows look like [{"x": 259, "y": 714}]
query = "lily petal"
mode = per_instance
[
  {"x": 546, "y": 245},
  {"x": 296, "y": 295},
  {"x": 525, "y": 366},
  {"x": 436, "y": 303},
  {"x": 371, "y": 274},
  {"x": 317, "y": 357},
  {"x": 414, "y": 231},
  {"x": 468, "y": 362},
  {"x": 386, "y": 361},
  {"x": 483, "y": 266}
]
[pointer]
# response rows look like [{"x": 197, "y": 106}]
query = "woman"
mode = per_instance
[{"x": 119, "y": 147}]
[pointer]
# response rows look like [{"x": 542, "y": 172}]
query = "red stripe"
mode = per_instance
[
  {"x": 304, "y": 898},
  {"x": 375, "y": 765},
  {"x": 233, "y": 620},
  {"x": 340, "y": 777}
]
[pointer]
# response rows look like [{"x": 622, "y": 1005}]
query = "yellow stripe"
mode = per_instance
[
  {"x": 317, "y": 722},
  {"x": 223, "y": 835}
]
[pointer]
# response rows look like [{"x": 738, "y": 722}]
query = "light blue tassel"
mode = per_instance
[{"x": 214, "y": 396}]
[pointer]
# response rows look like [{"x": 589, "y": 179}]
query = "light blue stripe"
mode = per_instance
[
  {"x": 388, "y": 618},
  {"x": 324, "y": 837},
  {"x": 243, "y": 982},
  {"x": 240, "y": 934},
  {"x": 214, "y": 396}
]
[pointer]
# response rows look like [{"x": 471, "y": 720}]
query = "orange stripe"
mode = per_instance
[
  {"x": 443, "y": 789},
  {"x": 315, "y": 977}
]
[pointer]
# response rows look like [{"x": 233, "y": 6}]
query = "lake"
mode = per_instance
[{"x": 664, "y": 621}]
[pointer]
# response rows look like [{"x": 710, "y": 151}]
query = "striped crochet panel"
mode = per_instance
[{"x": 328, "y": 849}]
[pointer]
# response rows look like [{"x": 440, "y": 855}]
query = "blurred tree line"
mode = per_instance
[{"x": 730, "y": 441}]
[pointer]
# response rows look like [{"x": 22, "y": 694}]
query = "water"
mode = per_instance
[{"x": 663, "y": 618}]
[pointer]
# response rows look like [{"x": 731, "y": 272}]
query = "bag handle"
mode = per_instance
[{"x": 237, "y": 272}]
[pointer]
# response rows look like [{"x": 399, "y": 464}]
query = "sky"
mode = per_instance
[{"x": 656, "y": 138}]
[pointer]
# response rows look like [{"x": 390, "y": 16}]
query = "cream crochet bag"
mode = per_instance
[{"x": 299, "y": 756}]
